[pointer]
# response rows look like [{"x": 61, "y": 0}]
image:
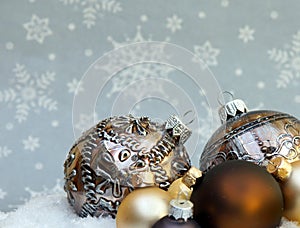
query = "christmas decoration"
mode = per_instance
[
  {"x": 143, "y": 207},
  {"x": 288, "y": 175},
  {"x": 180, "y": 216},
  {"x": 120, "y": 154},
  {"x": 254, "y": 136},
  {"x": 237, "y": 194},
  {"x": 182, "y": 187}
]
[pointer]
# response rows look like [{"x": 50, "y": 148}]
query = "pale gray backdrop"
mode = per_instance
[{"x": 252, "y": 48}]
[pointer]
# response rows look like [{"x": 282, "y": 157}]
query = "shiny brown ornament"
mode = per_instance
[
  {"x": 120, "y": 154},
  {"x": 288, "y": 175},
  {"x": 237, "y": 194},
  {"x": 143, "y": 207},
  {"x": 254, "y": 136},
  {"x": 182, "y": 187}
]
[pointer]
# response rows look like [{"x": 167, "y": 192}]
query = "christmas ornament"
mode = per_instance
[
  {"x": 254, "y": 136},
  {"x": 288, "y": 175},
  {"x": 143, "y": 207},
  {"x": 237, "y": 194},
  {"x": 120, "y": 154},
  {"x": 182, "y": 187},
  {"x": 180, "y": 216}
]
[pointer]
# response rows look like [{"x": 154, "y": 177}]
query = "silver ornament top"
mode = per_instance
[
  {"x": 232, "y": 109},
  {"x": 177, "y": 129},
  {"x": 181, "y": 209}
]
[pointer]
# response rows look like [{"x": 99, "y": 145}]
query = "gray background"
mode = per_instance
[{"x": 251, "y": 47}]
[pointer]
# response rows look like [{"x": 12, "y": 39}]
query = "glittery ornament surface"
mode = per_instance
[
  {"x": 254, "y": 136},
  {"x": 117, "y": 156}
]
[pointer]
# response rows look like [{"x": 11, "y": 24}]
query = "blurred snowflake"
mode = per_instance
[
  {"x": 37, "y": 29},
  {"x": 31, "y": 143},
  {"x": 57, "y": 188},
  {"x": 138, "y": 74},
  {"x": 86, "y": 121},
  {"x": 207, "y": 54},
  {"x": 75, "y": 86},
  {"x": 174, "y": 23},
  {"x": 93, "y": 8},
  {"x": 2, "y": 194},
  {"x": 29, "y": 92},
  {"x": 4, "y": 151},
  {"x": 246, "y": 34},
  {"x": 287, "y": 61}
]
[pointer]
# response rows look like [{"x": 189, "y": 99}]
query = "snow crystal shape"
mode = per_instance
[
  {"x": 86, "y": 121},
  {"x": 93, "y": 8},
  {"x": 224, "y": 3},
  {"x": 37, "y": 29},
  {"x": 75, "y": 86},
  {"x": 56, "y": 189},
  {"x": 4, "y": 151},
  {"x": 31, "y": 143},
  {"x": 2, "y": 194},
  {"x": 207, "y": 54},
  {"x": 246, "y": 34},
  {"x": 28, "y": 92},
  {"x": 287, "y": 61},
  {"x": 139, "y": 73},
  {"x": 174, "y": 23}
]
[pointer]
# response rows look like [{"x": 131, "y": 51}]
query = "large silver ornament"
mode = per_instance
[{"x": 121, "y": 154}]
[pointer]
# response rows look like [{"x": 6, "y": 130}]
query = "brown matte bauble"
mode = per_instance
[
  {"x": 143, "y": 207},
  {"x": 254, "y": 136},
  {"x": 121, "y": 154},
  {"x": 237, "y": 194}
]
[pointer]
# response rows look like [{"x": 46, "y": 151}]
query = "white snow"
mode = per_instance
[
  {"x": 53, "y": 210},
  {"x": 50, "y": 211}
]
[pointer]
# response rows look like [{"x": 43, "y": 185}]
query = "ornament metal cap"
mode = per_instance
[
  {"x": 181, "y": 209},
  {"x": 177, "y": 129},
  {"x": 189, "y": 179},
  {"x": 280, "y": 168},
  {"x": 232, "y": 109}
]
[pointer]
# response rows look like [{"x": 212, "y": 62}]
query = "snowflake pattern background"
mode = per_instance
[{"x": 46, "y": 49}]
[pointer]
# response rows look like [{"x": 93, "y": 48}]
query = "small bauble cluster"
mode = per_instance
[{"x": 139, "y": 171}]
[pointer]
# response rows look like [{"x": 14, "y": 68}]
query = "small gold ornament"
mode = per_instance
[
  {"x": 289, "y": 180},
  {"x": 182, "y": 187},
  {"x": 143, "y": 207}
]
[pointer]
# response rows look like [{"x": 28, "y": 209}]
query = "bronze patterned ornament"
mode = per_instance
[
  {"x": 121, "y": 154},
  {"x": 255, "y": 136}
]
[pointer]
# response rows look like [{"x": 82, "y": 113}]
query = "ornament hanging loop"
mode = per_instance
[
  {"x": 231, "y": 109},
  {"x": 189, "y": 117},
  {"x": 221, "y": 95}
]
